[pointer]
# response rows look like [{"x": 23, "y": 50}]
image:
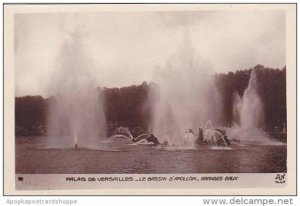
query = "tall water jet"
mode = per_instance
[
  {"x": 248, "y": 114},
  {"x": 184, "y": 97},
  {"x": 248, "y": 109},
  {"x": 76, "y": 116}
]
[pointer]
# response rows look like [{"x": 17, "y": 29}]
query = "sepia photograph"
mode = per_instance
[{"x": 150, "y": 91}]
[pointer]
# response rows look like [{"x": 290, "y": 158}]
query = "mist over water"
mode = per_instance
[
  {"x": 248, "y": 109},
  {"x": 76, "y": 113},
  {"x": 183, "y": 99},
  {"x": 249, "y": 115},
  {"x": 185, "y": 96}
]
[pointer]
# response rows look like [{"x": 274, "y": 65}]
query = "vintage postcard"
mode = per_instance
[{"x": 150, "y": 99}]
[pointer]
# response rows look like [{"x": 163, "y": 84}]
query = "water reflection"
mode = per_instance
[{"x": 32, "y": 158}]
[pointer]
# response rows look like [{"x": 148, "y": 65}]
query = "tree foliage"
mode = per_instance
[{"x": 127, "y": 106}]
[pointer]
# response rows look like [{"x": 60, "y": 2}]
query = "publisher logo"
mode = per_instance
[{"x": 280, "y": 178}]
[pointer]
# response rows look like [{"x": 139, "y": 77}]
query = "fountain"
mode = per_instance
[
  {"x": 248, "y": 109},
  {"x": 248, "y": 115},
  {"x": 183, "y": 97},
  {"x": 124, "y": 132},
  {"x": 213, "y": 137},
  {"x": 76, "y": 116}
]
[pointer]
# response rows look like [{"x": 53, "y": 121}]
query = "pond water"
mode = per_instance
[{"x": 120, "y": 157}]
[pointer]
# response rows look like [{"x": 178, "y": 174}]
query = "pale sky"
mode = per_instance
[{"x": 124, "y": 48}]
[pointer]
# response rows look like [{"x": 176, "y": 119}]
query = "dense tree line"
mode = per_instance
[
  {"x": 271, "y": 88},
  {"x": 30, "y": 115},
  {"x": 127, "y": 106}
]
